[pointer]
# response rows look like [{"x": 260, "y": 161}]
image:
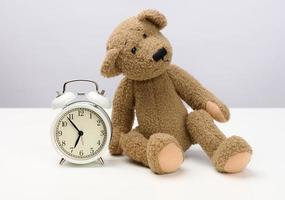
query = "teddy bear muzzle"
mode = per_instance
[{"x": 159, "y": 55}]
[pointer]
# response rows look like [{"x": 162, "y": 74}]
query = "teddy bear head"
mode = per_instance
[{"x": 137, "y": 48}]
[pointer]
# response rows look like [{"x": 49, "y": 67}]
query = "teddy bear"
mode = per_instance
[{"x": 153, "y": 89}]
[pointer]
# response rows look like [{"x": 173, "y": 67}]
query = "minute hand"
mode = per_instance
[{"x": 73, "y": 125}]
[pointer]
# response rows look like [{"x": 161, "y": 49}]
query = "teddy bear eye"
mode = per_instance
[
  {"x": 134, "y": 49},
  {"x": 144, "y": 35}
]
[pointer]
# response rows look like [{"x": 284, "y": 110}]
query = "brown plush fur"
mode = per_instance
[{"x": 154, "y": 90}]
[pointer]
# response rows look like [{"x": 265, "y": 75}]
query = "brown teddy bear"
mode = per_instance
[{"x": 153, "y": 89}]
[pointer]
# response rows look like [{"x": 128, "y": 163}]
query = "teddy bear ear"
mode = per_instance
[
  {"x": 109, "y": 67},
  {"x": 153, "y": 16}
]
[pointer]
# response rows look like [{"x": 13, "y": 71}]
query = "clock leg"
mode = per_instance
[
  {"x": 101, "y": 161},
  {"x": 61, "y": 161}
]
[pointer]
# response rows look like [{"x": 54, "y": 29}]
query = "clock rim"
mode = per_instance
[{"x": 101, "y": 112}]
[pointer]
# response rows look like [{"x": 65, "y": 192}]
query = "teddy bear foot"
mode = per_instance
[
  {"x": 164, "y": 154},
  {"x": 237, "y": 162},
  {"x": 170, "y": 158},
  {"x": 232, "y": 156}
]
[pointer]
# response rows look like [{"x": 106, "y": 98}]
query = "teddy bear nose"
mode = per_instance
[{"x": 159, "y": 55}]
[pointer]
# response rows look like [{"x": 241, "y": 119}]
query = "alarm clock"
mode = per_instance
[{"x": 81, "y": 132}]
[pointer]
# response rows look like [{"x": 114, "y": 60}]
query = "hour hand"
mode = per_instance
[
  {"x": 77, "y": 140},
  {"x": 80, "y": 133},
  {"x": 73, "y": 124}
]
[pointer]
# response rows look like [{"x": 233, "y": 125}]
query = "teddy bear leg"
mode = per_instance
[
  {"x": 161, "y": 152},
  {"x": 228, "y": 154},
  {"x": 134, "y": 145}
]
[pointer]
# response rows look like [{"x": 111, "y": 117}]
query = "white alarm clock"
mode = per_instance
[{"x": 81, "y": 132}]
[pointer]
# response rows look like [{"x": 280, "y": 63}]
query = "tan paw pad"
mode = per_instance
[
  {"x": 170, "y": 158},
  {"x": 237, "y": 162}
]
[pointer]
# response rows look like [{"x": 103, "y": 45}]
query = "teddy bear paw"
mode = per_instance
[
  {"x": 232, "y": 156},
  {"x": 237, "y": 162},
  {"x": 164, "y": 154},
  {"x": 170, "y": 158}
]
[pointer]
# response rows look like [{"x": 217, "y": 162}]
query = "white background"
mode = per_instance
[{"x": 235, "y": 48}]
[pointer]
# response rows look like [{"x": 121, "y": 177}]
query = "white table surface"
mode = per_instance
[{"x": 29, "y": 165}]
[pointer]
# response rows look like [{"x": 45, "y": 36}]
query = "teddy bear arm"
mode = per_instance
[
  {"x": 196, "y": 96},
  {"x": 122, "y": 114}
]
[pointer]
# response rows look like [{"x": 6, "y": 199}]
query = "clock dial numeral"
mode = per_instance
[
  {"x": 90, "y": 115},
  {"x": 99, "y": 142},
  {"x": 98, "y": 122},
  {"x": 81, "y": 152},
  {"x": 71, "y": 149},
  {"x": 102, "y": 132},
  {"x": 70, "y": 116},
  {"x": 59, "y": 133},
  {"x": 63, "y": 143},
  {"x": 81, "y": 113},
  {"x": 92, "y": 150},
  {"x": 64, "y": 123}
]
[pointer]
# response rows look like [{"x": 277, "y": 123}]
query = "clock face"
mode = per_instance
[{"x": 80, "y": 133}]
